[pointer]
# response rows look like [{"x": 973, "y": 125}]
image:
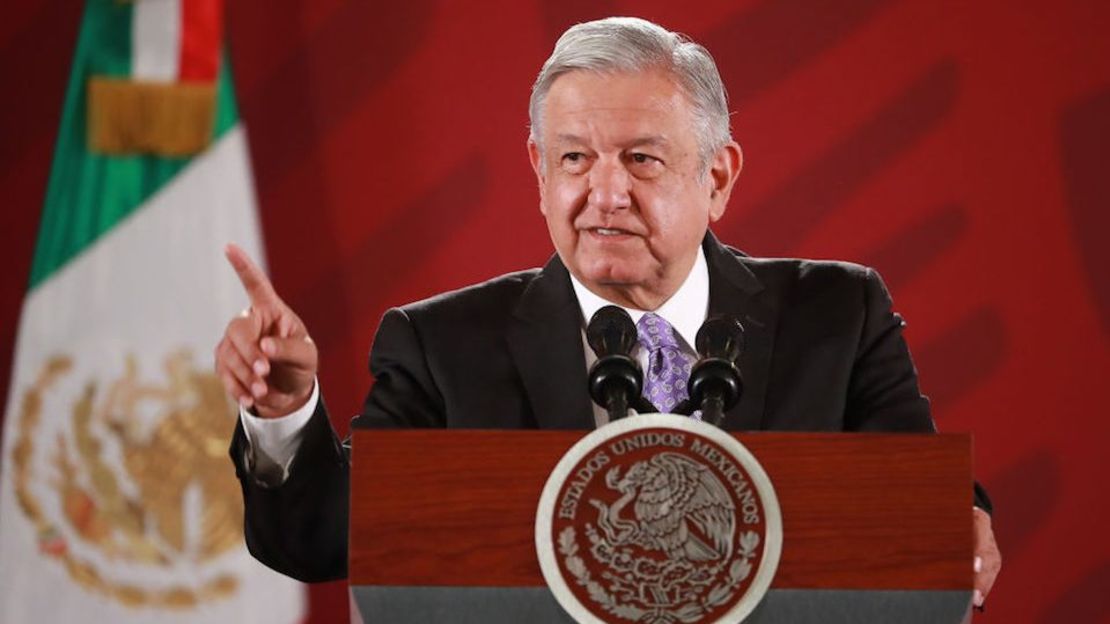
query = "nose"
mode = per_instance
[{"x": 610, "y": 185}]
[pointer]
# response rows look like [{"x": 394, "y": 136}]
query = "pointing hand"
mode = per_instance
[{"x": 266, "y": 359}]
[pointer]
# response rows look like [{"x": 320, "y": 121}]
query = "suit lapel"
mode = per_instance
[
  {"x": 735, "y": 291},
  {"x": 546, "y": 343}
]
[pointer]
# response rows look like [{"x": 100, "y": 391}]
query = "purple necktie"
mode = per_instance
[{"x": 668, "y": 367}]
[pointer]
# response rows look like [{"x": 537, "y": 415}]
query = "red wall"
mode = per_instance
[{"x": 961, "y": 148}]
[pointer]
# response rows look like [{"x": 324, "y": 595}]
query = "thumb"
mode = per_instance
[{"x": 299, "y": 352}]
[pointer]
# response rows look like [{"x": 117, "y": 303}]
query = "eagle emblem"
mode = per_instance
[
  {"x": 658, "y": 525},
  {"x": 133, "y": 477},
  {"x": 680, "y": 509}
]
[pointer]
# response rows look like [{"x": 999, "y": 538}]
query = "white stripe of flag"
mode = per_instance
[{"x": 156, "y": 40}]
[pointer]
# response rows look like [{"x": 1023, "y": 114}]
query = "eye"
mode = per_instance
[
  {"x": 640, "y": 158},
  {"x": 644, "y": 165},
  {"x": 574, "y": 162}
]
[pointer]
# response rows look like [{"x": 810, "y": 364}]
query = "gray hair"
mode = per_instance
[{"x": 631, "y": 44}]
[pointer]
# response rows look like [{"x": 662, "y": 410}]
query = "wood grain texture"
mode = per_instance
[{"x": 860, "y": 511}]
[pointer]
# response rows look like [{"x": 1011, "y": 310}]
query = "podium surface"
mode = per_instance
[{"x": 876, "y": 526}]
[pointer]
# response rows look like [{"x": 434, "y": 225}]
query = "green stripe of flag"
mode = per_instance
[{"x": 90, "y": 193}]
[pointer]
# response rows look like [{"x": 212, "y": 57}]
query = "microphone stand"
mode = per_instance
[
  {"x": 715, "y": 382},
  {"x": 615, "y": 379}
]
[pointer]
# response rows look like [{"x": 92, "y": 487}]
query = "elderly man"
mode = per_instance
[{"x": 631, "y": 148}]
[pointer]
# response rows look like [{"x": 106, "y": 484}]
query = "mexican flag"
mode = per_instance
[{"x": 118, "y": 502}]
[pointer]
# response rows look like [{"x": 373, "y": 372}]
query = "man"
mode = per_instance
[{"x": 631, "y": 148}]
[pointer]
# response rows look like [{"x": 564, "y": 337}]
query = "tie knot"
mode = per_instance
[{"x": 655, "y": 333}]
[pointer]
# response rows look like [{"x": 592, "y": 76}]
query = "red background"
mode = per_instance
[{"x": 961, "y": 148}]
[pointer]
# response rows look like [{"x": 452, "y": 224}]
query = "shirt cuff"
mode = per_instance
[{"x": 274, "y": 442}]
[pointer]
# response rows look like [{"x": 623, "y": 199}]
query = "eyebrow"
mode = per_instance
[
  {"x": 649, "y": 141},
  {"x": 563, "y": 137},
  {"x": 655, "y": 140}
]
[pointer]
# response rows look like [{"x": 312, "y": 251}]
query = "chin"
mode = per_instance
[{"x": 607, "y": 273}]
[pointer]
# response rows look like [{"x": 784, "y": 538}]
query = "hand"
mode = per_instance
[
  {"x": 266, "y": 359},
  {"x": 988, "y": 559}
]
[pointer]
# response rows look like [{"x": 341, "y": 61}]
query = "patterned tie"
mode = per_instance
[{"x": 668, "y": 367}]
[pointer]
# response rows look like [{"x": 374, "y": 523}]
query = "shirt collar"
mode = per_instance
[{"x": 685, "y": 310}]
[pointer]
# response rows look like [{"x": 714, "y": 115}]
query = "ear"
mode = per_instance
[
  {"x": 536, "y": 158},
  {"x": 723, "y": 171}
]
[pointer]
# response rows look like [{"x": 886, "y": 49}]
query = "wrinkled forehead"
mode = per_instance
[{"x": 644, "y": 104}]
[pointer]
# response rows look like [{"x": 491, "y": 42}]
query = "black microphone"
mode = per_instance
[
  {"x": 615, "y": 378},
  {"x": 715, "y": 383}
]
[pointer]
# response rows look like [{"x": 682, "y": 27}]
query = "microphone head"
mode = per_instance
[
  {"x": 720, "y": 337},
  {"x": 611, "y": 332}
]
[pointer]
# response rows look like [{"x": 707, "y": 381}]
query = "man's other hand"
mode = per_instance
[
  {"x": 988, "y": 559},
  {"x": 266, "y": 359}
]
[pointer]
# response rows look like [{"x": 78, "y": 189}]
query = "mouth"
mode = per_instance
[{"x": 607, "y": 232}]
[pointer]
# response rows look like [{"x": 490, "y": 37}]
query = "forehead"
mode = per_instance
[{"x": 617, "y": 105}]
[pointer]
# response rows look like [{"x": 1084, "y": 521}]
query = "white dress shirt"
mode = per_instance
[
  {"x": 685, "y": 311},
  {"x": 274, "y": 441}
]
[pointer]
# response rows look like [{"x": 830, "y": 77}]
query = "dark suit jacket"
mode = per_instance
[{"x": 823, "y": 352}]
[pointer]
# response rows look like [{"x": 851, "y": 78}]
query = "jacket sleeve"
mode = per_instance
[
  {"x": 883, "y": 393},
  {"x": 299, "y": 526}
]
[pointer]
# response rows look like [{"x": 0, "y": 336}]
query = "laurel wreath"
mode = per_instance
[
  {"x": 690, "y": 612},
  {"x": 740, "y": 569},
  {"x": 568, "y": 547},
  {"x": 82, "y": 572}
]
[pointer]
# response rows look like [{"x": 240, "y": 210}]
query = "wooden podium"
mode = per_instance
[{"x": 877, "y": 527}]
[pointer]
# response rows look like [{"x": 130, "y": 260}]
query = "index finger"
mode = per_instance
[{"x": 258, "y": 286}]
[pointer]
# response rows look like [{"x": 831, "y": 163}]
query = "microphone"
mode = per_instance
[
  {"x": 715, "y": 383},
  {"x": 615, "y": 378}
]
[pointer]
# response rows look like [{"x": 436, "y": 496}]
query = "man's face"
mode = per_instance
[{"x": 622, "y": 185}]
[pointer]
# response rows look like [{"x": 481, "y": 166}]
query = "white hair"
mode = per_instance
[{"x": 631, "y": 44}]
